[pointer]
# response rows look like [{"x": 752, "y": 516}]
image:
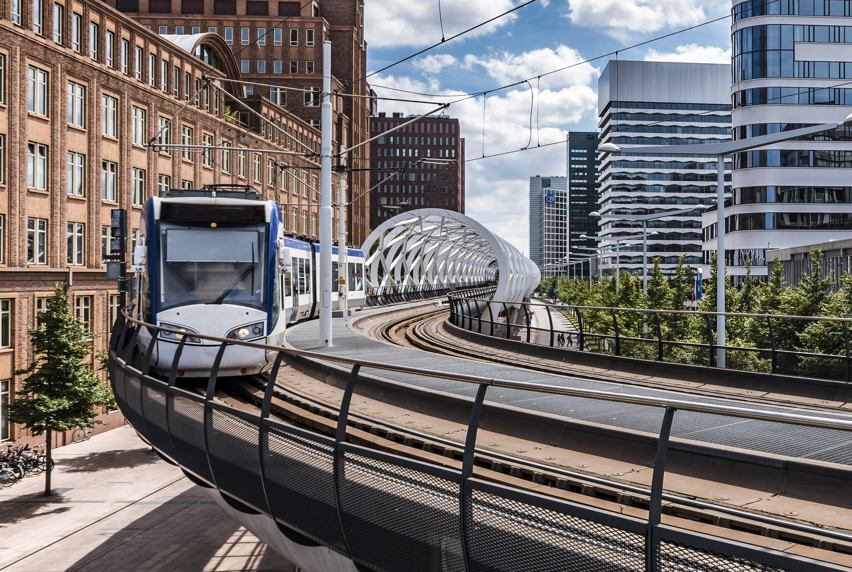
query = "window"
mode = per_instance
[
  {"x": 186, "y": 139},
  {"x": 314, "y": 224},
  {"x": 249, "y": 91},
  {"x": 207, "y": 157},
  {"x": 276, "y": 67},
  {"x": 261, "y": 66},
  {"x": 312, "y": 97},
  {"x": 164, "y": 75},
  {"x": 37, "y": 241},
  {"x": 277, "y": 37},
  {"x": 241, "y": 163},
  {"x": 256, "y": 172},
  {"x": 5, "y": 325},
  {"x": 164, "y": 184},
  {"x": 294, "y": 66},
  {"x": 58, "y": 22},
  {"x": 138, "y": 123},
  {"x": 186, "y": 80},
  {"x": 294, "y": 220},
  {"x": 16, "y": 11},
  {"x": 226, "y": 158},
  {"x": 76, "y": 242},
  {"x": 2, "y": 78},
  {"x": 38, "y": 94},
  {"x": 176, "y": 81},
  {"x": 244, "y": 66},
  {"x": 109, "y": 181},
  {"x": 163, "y": 30},
  {"x": 4, "y": 408},
  {"x": 196, "y": 30},
  {"x": 108, "y": 49},
  {"x": 138, "y": 64},
  {"x": 304, "y": 222},
  {"x": 2, "y": 238},
  {"x": 114, "y": 307},
  {"x": 137, "y": 187},
  {"x": 77, "y": 33},
  {"x": 212, "y": 29},
  {"x": 109, "y": 115},
  {"x": 83, "y": 307},
  {"x": 270, "y": 172},
  {"x": 37, "y": 166},
  {"x": 309, "y": 37},
  {"x": 229, "y": 35},
  {"x": 294, "y": 37},
  {"x": 186, "y": 185},
  {"x": 152, "y": 70},
  {"x": 309, "y": 67},
  {"x": 76, "y": 171},
  {"x": 244, "y": 36},
  {"x": 76, "y": 104},
  {"x": 125, "y": 56},
  {"x": 179, "y": 30},
  {"x": 105, "y": 247},
  {"x": 261, "y": 36},
  {"x": 38, "y": 17},
  {"x": 93, "y": 40}
]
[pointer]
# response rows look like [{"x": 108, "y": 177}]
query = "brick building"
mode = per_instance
[
  {"x": 431, "y": 152},
  {"x": 281, "y": 43},
  {"x": 83, "y": 90}
]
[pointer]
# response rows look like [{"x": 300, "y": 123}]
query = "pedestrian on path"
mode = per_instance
[
  {"x": 570, "y": 340},
  {"x": 561, "y": 339}
]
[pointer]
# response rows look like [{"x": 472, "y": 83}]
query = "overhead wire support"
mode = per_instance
[
  {"x": 397, "y": 128},
  {"x": 189, "y": 101},
  {"x": 157, "y": 146}
]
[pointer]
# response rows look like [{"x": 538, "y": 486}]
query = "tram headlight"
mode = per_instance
[
  {"x": 177, "y": 337},
  {"x": 245, "y": 333}
]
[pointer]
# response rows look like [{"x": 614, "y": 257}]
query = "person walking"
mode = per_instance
[
  {"x": 561, "y": 339},
  {"x": 570, "y": 340}
]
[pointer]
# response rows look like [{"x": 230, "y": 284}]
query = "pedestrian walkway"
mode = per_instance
[
  {"x": 561, "y": 324},
  {"x": 118, "y": 506}
]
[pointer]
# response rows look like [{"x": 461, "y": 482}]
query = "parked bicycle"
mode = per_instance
[{"x": 81, "y": 434}]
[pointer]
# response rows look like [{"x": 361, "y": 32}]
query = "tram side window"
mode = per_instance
[
  {"x": 310, "y": 277},
  {"x": 356, "y": 277},
  {"x": 301, "y": 276},
  {"x": 288, "y": 283}
]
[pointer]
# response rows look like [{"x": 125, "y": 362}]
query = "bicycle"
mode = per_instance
[{"x": 81, "y": 434}]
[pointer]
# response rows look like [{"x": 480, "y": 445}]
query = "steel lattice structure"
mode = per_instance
[{"x": 442, "y": 248}]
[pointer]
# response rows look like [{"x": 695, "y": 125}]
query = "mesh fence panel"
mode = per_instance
[
  {"x": 186, "y": 420},
  {"x": 674, "y": 557},
  {"x": 235, "y": 457},
  {"x": 154, "y": 407},
  {"x": 120, "y": 393},
  {"x": 396, "y": 518},
  {"x": 503, "y": 534},
  {"x": 300, "y": 485},
  {"x": 133, "y": 405}
]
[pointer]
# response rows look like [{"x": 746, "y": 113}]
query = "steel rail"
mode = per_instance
[{"x": 740, "y": 412}]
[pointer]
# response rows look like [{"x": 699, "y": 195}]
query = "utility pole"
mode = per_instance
[
  {"x": 342, "y": 249},
  {"x": 325, "y": 337}
]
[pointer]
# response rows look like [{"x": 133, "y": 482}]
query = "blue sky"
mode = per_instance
[{"x": 543, "y": 36}]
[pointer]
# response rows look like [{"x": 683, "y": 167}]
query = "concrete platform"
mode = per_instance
[{"x": 117, "y": 506}]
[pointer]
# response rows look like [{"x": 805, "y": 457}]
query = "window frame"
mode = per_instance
[
  {"x": 58, "y": 23},
  {"x": 137, "y": 186},
  {"x": 109, "y": 115},
  {"x": 294, "y": 36},
  {"x": 76, "y": 167},
  {"x": 186, "y": 136},
  {"x": 309, "y": 36},
  {"x": 76, "y": 233},
  {"x": 37, "y": 237},
  {"x": 138, "y": 121},
  {"x": 37, "y": 165},
  {"x": 38, "y": 86},
  {"x": 94, "y": 30},
  {"x": 76, "y": 104},
  {"x": 109, "y": 181},
  {"x": 207, "y": 155},
  {"x": 6, "y": 329}
]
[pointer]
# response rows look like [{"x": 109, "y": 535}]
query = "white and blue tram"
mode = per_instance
[{"x": 218, "y": 263}]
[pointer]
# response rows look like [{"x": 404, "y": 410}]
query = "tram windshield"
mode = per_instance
[{"x": 212, "y": 265}]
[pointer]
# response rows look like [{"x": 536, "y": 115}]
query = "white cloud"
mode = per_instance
[
  {"x": 497, "y": 189},
  {"x": 433, "y": 65},
  {"x": 691, "y": 53},
  {"x": 638, "y": 16},
  {"x": 391, "y": 23},
  {"x": 508, "y": 68}
]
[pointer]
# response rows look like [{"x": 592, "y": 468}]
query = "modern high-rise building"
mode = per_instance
[
  {"x": 425, "y": 163},
  {"x": 792, "y": 62},
  {"x": 659, "y": 103},
  {"x": 280, "y": 44},
  {"x": 548, "y": 222},
  {"x": 582, "y": 168}
]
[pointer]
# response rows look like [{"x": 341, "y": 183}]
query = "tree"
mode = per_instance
[{"x": 60, "y": 392}]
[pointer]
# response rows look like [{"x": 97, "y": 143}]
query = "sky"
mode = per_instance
[{"x": 540, "y": 37}]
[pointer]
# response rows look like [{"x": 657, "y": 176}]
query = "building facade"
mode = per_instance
[
  {"x": 659, "y": 103},
  {"x": 549, "y": 223},
  {"x": 419, "y": 166},
  {"x": 791, "y": 66},
  {"x": 84, "y": 93},
  {"x": 582, "y": 168},
  {"x": 278, "y": 47}
]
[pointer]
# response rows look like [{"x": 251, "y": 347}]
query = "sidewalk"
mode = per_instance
[
  {"x": 561, "y": 323},
  {"x": 118, "y": 506}
]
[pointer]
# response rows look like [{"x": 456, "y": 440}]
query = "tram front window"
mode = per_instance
[{"x": 212, "y": 265}]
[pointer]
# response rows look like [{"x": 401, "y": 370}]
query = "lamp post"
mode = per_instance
[
  {"x": 618, "y": 242},
  {"x": 720, "y": 150}
]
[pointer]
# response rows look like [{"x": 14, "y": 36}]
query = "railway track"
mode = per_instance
[{"x": 426, "y": 332}]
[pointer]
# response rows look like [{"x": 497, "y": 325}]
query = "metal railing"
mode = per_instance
[
  {"x": 388, "y": 512},
  {"x": 471, "y": 313},
  {"x": 397, "y": 294}
]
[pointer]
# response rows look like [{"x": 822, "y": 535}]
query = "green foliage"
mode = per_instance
[{"x": 60, "y": 391}]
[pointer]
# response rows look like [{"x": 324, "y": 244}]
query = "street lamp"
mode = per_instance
[
  {"x": 720, "y": 150},
  {"x": 618, "y": 242}
]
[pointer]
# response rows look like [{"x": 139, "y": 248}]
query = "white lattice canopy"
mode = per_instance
[{"x": 441, "y": 248}]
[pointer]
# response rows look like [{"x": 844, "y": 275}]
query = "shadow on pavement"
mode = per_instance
[
  {"x": 118, "y": 459},
  {"x": 189, "y": 533},
  {"x": 21, "y": 508}
]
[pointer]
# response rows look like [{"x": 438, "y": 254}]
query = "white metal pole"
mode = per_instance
[
  {"x": 645, "y": 256},
  {"x": 325, "y": 338},
  {"x": 590, "y": 274},
  {"x": 720, "y": 260},
  {"x": 342, "y": 249},
  {"x": 617, "y": 266}
]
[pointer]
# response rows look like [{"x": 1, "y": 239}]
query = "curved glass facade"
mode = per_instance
[
  {"x": 754, "y": 8},
  {"x": 769, "y": 51},
  {"x": 801, "y": 195}
]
